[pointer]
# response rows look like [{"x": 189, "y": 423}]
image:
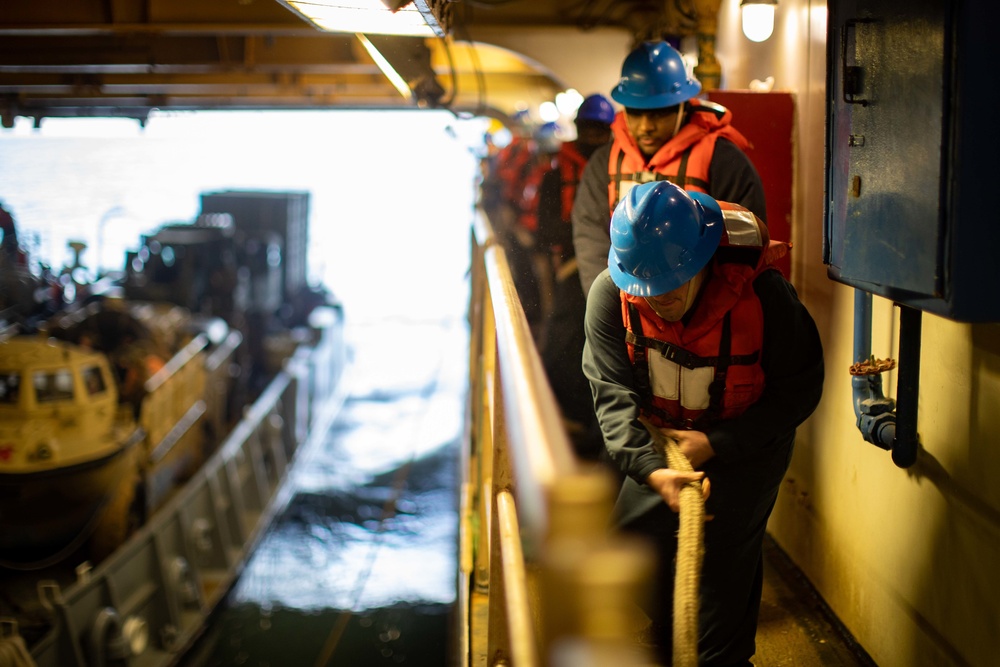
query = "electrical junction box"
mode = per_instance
[{"x": 913, "y": 153}]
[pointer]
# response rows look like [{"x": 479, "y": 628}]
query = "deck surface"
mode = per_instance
[{"x": 795, "y": 629}]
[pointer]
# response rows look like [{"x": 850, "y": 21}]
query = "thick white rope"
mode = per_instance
[{"x": 690, "y": 550}]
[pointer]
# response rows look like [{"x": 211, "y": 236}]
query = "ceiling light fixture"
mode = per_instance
[
  {"x": 367, "y": 16},
  {"x": 758, "y": 18}
]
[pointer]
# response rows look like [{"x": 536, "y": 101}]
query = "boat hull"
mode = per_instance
[
  {"x": 155, "y": 592},
  {"x": 47, "y": 515}
]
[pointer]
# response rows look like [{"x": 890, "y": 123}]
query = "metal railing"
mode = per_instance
[{"x": 543, "y": 579}]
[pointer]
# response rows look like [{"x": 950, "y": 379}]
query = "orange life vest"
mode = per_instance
[
  {"x": 571, "y": 164},
  {"x": 531, "y": 191},
  {"x": 684, "y": 160},
  {"x": 690, "y": 375},
  {"x": 513, "y": 163}
]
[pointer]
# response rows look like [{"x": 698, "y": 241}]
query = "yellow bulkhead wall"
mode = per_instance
[{"x": 907, "y": 559}]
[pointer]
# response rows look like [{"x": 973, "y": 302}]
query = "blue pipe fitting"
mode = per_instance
[{"x": 876, "y": 419}]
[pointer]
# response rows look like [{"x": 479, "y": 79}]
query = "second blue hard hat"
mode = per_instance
[
  {"x": 596, "y": 108},
  {"x": 654, "y": 77},
  {"x": 547, "y": 138},
  {"x": 661, "y": 237}
]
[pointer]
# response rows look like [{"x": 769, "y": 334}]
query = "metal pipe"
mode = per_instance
[
  {"x": 874, "y": 411},
  {"x": 862, "y": 325},
  {"x": 904, "y": 445},
  {"x": 883, "y": 422}
]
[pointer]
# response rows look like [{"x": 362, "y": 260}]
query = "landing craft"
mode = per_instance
[
  {"x": 142, "y": 451},
  {"x": 890, "y": 160}
]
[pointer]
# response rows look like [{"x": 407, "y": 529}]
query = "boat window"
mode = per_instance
[
  {"x": 53, "y": 386},
  {"x": 10, "y": 387},
  {"x": 93, "y": 380}
]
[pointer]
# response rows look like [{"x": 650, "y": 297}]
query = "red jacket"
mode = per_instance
[
  {"x": 571, "y": 164},
  {"x": 527, "y": 203},
  {"x": 513, "y": 163}
]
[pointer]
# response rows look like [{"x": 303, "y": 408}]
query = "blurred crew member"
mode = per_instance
[{"x": 562, "y": 346}]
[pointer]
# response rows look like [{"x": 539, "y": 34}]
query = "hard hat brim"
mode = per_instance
[{"x": 661, "y": 101}]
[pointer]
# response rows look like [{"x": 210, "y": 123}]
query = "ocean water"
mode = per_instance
[{"x": 360, "y": 568}]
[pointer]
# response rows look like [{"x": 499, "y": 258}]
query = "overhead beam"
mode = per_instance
[{"x": 123, "y": 55}]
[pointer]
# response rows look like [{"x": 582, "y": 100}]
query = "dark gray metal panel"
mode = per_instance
[
  {"x": 912, "y": 146},
  {"x": 259, "y": 213},
  {"x": 888, "y": 141}
]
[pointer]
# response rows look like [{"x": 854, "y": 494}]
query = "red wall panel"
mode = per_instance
[{"x": 768, "y": 121}]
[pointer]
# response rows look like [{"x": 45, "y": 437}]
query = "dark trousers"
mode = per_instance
[{"x": 732, "y": 574}]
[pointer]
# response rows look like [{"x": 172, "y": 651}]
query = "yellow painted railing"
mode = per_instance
[
  {"x": 544, "y": 581},
  {"x": 172, "y": 390}
]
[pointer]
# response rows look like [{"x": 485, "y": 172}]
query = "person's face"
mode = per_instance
[
  {"x": 593, "y": 134},
  {"x": 651, "y": 128},
  {"x": 672, "y": 305}
]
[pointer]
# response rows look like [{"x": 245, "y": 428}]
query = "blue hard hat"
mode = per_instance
[
  {"x": 654, "y": 77},
  {"x": 520, "y": 120},
  {"x": 596, "y": 108},
  {"x": 547, "y": 138},
  {"x": 661, "y": 237}
]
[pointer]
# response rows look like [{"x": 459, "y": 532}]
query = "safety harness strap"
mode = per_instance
[
  {"x": 687, "y": 359},
  {"x": 640, "y": 363},
  {"x": 716, "y": 390}
]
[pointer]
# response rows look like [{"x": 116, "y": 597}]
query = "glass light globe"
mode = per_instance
[{"x": 758, "y": 21}]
